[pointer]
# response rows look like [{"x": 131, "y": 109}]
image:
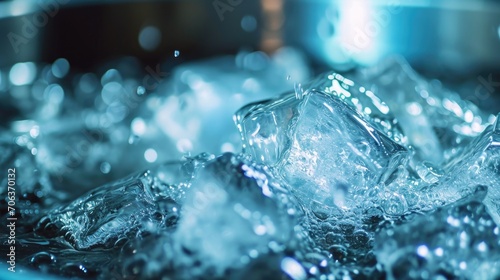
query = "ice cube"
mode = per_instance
[
  {"x": 477, "y": 163},
  {"x": 435, "y": 119},
  {"x": 458, "y": 240},
  {"x": 145, "y": 202},
  {"x": 235, "y": 211},
  {"x": 326, "y": 149}
]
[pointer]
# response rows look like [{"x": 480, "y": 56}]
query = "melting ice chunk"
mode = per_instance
[
  {"x": 326, "y": 149},
  {"x": 234, "y": 212},
  {"x": 113, "y": 213},
  {"x": 456, "y": 241}
]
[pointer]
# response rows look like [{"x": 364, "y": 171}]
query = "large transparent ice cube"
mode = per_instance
[
  {"x": 435, "y": 119},
  {"x": 323, "y": 146}
]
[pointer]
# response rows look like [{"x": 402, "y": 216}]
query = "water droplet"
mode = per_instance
[
  {"x": 288, "y": 78},
  {"x": 299, "y": 91},
  {"x": 46, "y": 228},
  {"x": 498, "y": 30},
  {"x": 177, "y": 53},
  {"x": 75, "y": 270},
  {"x": 42, "y": 259},
  {"x": 338, "y": 252}
]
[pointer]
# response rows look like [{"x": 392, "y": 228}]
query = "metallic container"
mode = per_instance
[{"x": 445, "y": 36}]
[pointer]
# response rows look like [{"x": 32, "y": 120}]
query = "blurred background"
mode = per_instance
[{"x": 438, "y": 36}]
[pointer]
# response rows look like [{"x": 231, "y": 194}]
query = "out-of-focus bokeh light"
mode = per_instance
[
  {"x": 150, "y": 155},
  {"x": 150, "y": 38},
  {"x": 248, "y": 23},
  {"x": 138, "y": 126},
  {"x": 60, "y": 68},
  {"x": 23, "y": 73}
]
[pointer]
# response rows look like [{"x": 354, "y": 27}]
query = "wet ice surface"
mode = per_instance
[
  {"x": 324, "y": 148},
  {"x": 460, "y": 240},
  {"x": 376, "y": 173}
]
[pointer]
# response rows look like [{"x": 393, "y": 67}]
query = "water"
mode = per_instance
[{"x": 377, "y": 173}]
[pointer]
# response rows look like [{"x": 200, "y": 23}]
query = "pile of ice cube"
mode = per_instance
[{"x": 374, "y": 174}]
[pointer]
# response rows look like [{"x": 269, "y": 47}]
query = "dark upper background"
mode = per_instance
[{"x": 457, "y": 41}]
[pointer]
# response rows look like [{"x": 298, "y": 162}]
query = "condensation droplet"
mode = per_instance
[{"x": 41, "y": 259}]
